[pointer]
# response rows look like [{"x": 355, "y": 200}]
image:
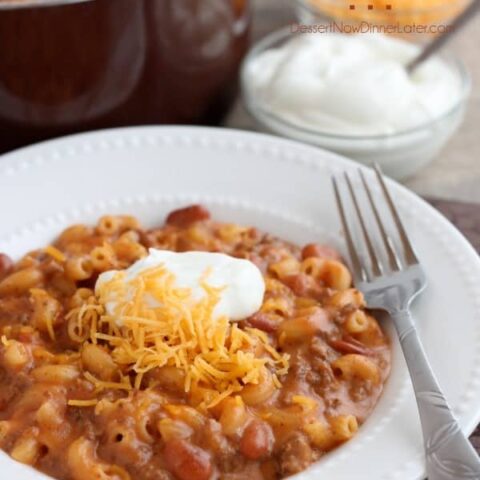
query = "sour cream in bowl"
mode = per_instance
[
  {"x": 351, "y": 94},
  {"x": 239, "y": 283}
]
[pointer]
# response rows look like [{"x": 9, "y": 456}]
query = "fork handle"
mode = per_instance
[{"x": 448, "y": 453}]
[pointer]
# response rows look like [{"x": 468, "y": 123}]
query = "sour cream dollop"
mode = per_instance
[
  {"x": 351, "y": 84},
  {"x": 242, "y": 282}
]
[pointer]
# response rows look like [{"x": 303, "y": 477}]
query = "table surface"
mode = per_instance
[{"x": 455, "y": 175}]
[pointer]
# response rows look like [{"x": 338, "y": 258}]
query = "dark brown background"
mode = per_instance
[{"x": 466, "y": 216}]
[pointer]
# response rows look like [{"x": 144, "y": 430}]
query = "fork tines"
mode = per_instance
[{"x": 377, "y": 268}]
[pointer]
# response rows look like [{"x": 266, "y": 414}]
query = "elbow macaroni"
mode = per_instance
[
  {"x": 77, "y": 405},
  {"x": 357, "y": 366}
]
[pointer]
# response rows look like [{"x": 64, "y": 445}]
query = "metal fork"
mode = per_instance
[{"x": 392, "y": 287}]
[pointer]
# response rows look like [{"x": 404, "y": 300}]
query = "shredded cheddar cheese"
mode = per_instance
[
  {"x": 102, "y": 385},
  {"x": 156, "y": 324},
  {"x": 82, "y": 403}
]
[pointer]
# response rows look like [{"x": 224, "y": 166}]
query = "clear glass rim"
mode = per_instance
[{"x": 252, "y": 104}]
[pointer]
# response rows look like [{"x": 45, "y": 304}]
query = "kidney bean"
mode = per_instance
[
  {"x": 321, "y": 251},
  {"x": 6, "y": 265},
  {"x": 263, "y": 321},
  {"x": 257, "y": 440},
  {"x": 188, "y": 215},
  {"x": 187, "y": 461},
  {"x": 303, "y": 285},
  {"x": 350, "y": 345}
]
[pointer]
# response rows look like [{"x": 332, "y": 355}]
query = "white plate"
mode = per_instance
[{"x": 282, "y": 187}]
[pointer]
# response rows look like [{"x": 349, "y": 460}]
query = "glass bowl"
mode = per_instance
[{"x": 399, "y": 154}]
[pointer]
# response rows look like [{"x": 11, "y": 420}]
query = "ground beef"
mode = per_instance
[{"x": 296, "y": 455}]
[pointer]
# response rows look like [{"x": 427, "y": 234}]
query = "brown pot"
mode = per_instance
[{"x": 73, "y": 65}]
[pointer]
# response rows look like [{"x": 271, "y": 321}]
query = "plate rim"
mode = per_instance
[{"x": 11, "y": 163}]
